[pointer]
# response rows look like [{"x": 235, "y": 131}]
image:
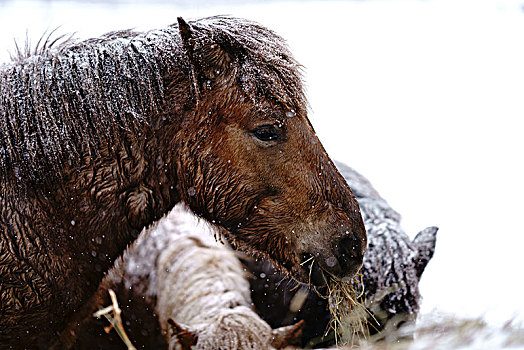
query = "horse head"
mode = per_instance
[{"x": 249, "y": 160}]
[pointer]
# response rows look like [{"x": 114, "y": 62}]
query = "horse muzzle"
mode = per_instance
[{"x": 341, "y": 261}]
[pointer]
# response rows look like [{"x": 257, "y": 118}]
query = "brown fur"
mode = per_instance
[{"x": 101, "y": 138}]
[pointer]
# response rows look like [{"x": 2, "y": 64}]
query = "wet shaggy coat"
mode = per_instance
[{"x": 99, "y": 139}]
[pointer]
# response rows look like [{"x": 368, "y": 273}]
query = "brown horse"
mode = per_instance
[{"x": 99, "y": 139}]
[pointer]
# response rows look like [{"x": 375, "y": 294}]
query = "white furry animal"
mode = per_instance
[
  {"x": 195, "y": 286},
  {"x": 202, "y": 287}
]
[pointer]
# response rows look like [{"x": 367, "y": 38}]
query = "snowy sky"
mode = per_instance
[{"x": 425, "y": 98}]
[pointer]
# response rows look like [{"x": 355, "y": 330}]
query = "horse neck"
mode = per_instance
[
  {"x": 119, "y": 177},
  {"x": 101, "y": 145},
  {"x": 101, "y": 166}
]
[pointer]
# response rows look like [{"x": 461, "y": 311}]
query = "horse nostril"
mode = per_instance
[
  {"x": 350, "y": 246},
  {"x": 350, "y": 255}
]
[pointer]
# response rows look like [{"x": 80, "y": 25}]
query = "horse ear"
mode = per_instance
[
  {"x": 181, "y": 338},
  {"x": 208, "y": 60},
  {"x": 424, "y": 243},
  {"x": 186, "y": 33},
  {"x": 188, "y": 43},
  {"x": 286, "y": 336}
]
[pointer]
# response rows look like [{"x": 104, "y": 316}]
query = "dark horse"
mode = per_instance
[{"x": 99, "y": 139}]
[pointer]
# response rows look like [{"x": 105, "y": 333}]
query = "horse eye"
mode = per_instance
[{"x": 266, "y": 133}]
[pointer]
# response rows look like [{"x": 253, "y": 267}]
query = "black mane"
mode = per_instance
[{"x": 74, "y": 99}]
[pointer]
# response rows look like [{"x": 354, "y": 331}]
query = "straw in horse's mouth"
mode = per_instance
[
  {"x": 348, "y": 313},
  {"x": 349, "y": 316}
]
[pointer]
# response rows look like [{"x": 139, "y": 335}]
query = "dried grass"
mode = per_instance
[
  {"x": 112, "y": 314},
  {"x": 349, "y": 315}
]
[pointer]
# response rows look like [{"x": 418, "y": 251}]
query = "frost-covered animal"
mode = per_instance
[
  {"x": 202, "y": 289},
  {"x": 100, "y": 138},
  {"x": 393, "y": 264}
]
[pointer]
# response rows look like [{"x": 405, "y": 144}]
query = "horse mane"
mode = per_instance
[
  {"x": 48, "y": 40},
  {"x": 60, "y": 103},
  {"x": 77, "y": 97}
]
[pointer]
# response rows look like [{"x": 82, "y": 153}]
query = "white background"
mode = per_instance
[{"x": 425, "y": 98}]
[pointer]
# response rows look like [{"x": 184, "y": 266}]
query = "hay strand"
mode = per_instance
[
  {"x": 348, "y": 313},
  {"x": 113, "y": 314}
]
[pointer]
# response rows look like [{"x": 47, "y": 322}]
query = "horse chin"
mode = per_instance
[
  {"x": 309, "y": 276},
  {"x": 304, "y": 275},
  {"x": 316, "y": 275},
  {"x": 305, "y": 272}
]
